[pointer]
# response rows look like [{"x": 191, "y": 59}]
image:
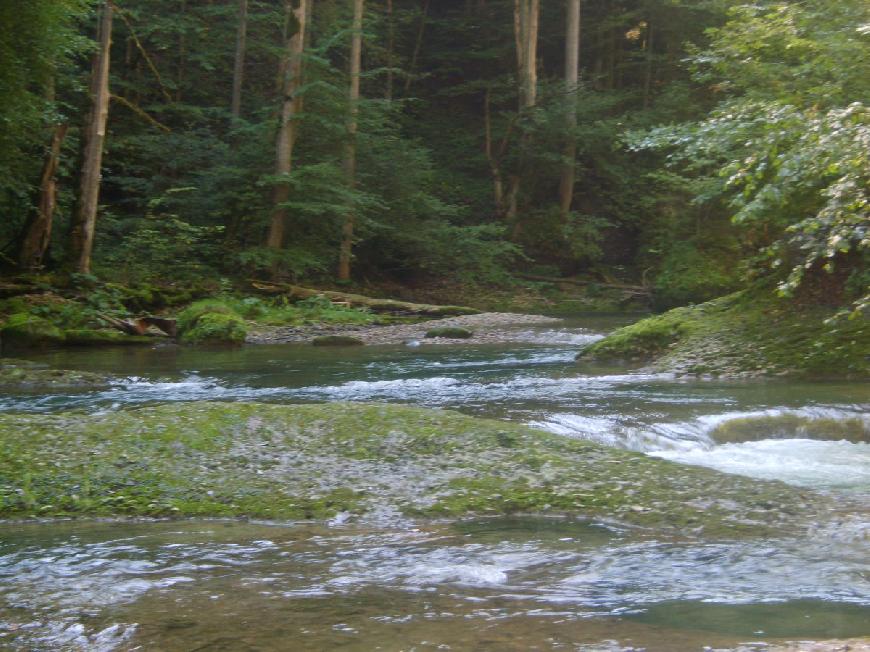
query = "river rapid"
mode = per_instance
[{"x": 487, "y": 584}]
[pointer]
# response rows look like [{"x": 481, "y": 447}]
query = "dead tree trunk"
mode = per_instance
[
  {"x": 94, "y": 137},
  {"x": 345, "y": 251},
  {"x": 38, "y": 234}
]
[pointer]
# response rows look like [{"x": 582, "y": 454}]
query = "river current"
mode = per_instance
[{"x": 497, "y": 584}]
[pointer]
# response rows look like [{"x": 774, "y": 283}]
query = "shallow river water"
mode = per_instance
[{"x": 498, "y": 584}]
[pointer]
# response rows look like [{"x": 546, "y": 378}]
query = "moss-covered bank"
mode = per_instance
[
  {"x": 744, "y": 333},
  {"x": 313, "y": 461}
]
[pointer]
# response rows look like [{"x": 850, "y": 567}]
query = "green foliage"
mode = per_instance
[
  {"x": 25, "y": 329},
  {"x": 146, "y": 247},
  {"x": 691, "y": 275},
  {"x": 37, "y": 41},
  {"x": 215, "y": 328},
  {"x": 790, "y": 139}
]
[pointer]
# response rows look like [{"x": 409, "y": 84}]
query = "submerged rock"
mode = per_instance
[
  {"x": 316, "y": 461},
  {"x": 24, "y": 375}
]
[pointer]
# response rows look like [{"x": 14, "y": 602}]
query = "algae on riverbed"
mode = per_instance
[{"x": 314, "y": 461}]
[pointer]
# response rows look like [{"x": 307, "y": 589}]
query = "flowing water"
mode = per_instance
[{"x": 498, "y": 584}]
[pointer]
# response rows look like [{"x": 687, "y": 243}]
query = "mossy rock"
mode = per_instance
[
  {"x": 216, "y": 328},
  {"x": 336, "y": 340},
  {"x": 211, "y": 322},
  {"x": 26, "y": 330},
  {"x": 450, "y": 332},
  {"x": 746, "y": 333},
  {"x": 639, "y": 342},
  {"x": 94, "y": 337},
  {"x": 791, "y": 426},
  {"x": 315, "y": 460}
]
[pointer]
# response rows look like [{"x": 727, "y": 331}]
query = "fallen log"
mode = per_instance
[
  {"x": 298, "y": 293},
  {"x": 140, "y": 325}
]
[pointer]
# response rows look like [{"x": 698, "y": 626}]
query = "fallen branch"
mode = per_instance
[
  {"x": 570, "y": 281},
  {"x": 298, "y": 293}
]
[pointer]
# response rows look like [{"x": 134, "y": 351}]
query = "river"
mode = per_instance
[{"x": 487, "y": 584}]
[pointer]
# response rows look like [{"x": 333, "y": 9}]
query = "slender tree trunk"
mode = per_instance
[
  {"x": 418, "y": 45},
  {"x": 182, "y": 53},
  {"x": 291, "y": 106},
  {"x": 85, "y": 220},
  {"x": 239, "y": 67},
  {"x": 495, "y": 168},
  {"x": 346, "y": 248},
  {"x": 572, "y": 76},
  {"x": 38, "y": 234},
  {"x": 391, "y": 49}
]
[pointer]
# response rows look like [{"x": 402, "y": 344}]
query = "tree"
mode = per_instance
[
  {"x": 291, "y": 106},
  {"x": 94, "y": 138},
  {"x": 572, "y": 70},
  {"x": 346, "y": 247}
]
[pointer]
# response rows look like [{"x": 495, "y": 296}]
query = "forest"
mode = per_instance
[{"x": 690, "y": 147}]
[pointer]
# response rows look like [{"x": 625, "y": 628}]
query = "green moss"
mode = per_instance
[
  {"x": 336, "y": 340},
  {"x": 26, "y": 330},
  {"x": 93, "y": 337},
  {"x": 745, "y": 333},
  {"x": 313, "y": 461},
  {"x": 450, "y": 332}
]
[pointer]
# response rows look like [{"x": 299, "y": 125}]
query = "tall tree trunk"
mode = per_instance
[
  {"x": 239, "y": 67},
  {"x": 346, "y": 248},
  {"x": 291, "y": 106},
  {"x": 418, "y": 45},
  {"x": 526, "y": 22},
  {"x": 85, "y": 220},
  {"x": 572, "y": 76},
  {"x": 38, "y": 234}
]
